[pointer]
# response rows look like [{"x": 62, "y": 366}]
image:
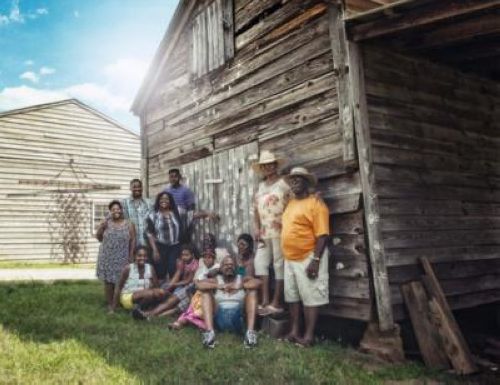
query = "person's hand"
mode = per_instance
[
  {"x": 213, "y": 216},
  {"x": 257, "y": 235},
  {"x": 104, "y": 224},
  {"x": 229, "y": 288},
  {"x": 312, "y": 269},
  {"x": 156, "y": 255}
]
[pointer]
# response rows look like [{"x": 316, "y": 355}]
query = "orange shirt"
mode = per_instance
[{"x": 304, "y": 220}]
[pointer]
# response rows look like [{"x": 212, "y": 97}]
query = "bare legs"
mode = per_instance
[
  {"x": 208, "y": 305},
  {"x": 264, "y": 290},
  {"x": 109, "y": 292},
  {"x": 163, "y": 307},
  {"x": 278, "y": 289},
  {"x": 310, "y": 318},
  {"x": 147, "y": 296},
  {"x": 293, "y": 335},
  {"x": 251, "y": 308}
]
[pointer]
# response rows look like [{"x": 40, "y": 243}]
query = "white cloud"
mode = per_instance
[
  {"x": 23, "y": 96},
  {"x": 16, "y": 16},
  {"x": 29, "y": 62},
  {"x": 125, "y": 75},
  {"x": 15, "y": 13},
  {"x": 96, "y": 95},
  {"x": 47, "y": 71},
  {"x": 30, "y": 75}
]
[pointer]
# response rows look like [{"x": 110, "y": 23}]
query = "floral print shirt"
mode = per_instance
[{"x": 270, "y": 202}]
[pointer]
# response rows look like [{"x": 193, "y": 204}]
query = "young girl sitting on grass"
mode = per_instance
[
  {"x": 138, "y": 284},
  {"x": 194, "y": 313},
  {"x": 179, "y": 290}
]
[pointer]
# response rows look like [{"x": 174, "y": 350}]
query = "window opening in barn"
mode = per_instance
[
  {"x": 212, "y": 43},
  {"x": 99, "y": 211}
]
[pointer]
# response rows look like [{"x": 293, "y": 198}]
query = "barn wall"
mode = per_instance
[
  {"x": 279, "y": 91},
  {"x": 38, "y": 144},
  {"x": 436, "y": 146}
]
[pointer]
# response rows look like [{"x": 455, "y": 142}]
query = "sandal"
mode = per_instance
[
  {"x": 301, "y": 343},
  {"x": 274, "y": 310},
  {"x": 288, "y": 338}
]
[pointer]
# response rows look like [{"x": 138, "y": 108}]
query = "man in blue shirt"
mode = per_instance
[
  {"x": 183, "y": 195},
  {"x": 184, "y": 199}
]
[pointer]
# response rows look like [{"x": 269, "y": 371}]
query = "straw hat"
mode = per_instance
[
  {"x": 267, "y": 157},
  {"x": 301, "y": 171}
]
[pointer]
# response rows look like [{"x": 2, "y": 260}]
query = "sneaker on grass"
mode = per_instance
[
  {"x": 250, "y": 340},
  {"x": 208, "y": 339}
]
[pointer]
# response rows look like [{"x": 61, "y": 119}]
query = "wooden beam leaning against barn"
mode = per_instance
[
  {"x": 339, "y": 51},
  {"x": 357, "y": 98}
]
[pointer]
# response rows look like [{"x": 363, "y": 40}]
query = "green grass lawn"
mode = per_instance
[{"x": 60, "y": 334}]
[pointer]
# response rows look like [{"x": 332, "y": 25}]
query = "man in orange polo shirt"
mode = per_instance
[{"x": 304, "y": 238}]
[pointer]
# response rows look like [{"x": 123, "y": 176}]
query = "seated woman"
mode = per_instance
[
  {"x": 138, "y": 284},
  {"x": 225, "y": 299},
  {"x": 245, "y": 258},
  {"x": 194, "y": 313},
  {"x": 179, "y": 290}
]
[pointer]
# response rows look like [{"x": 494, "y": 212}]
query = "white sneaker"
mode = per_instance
[
  {"x": 250, "y": 340},
  {"x": 208, "y": 339}
]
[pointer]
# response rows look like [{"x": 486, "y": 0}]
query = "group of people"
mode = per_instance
[{"x": 148, "y": 264}]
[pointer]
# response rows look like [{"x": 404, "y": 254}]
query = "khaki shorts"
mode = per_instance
[
  {"x": 299, "y": 288},
  {"x": 269, "y": 252}
]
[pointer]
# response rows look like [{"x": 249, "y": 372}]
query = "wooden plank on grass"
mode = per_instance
[
  {"x": 454, "y": 342},
  {"x": 428, "y": 339}
]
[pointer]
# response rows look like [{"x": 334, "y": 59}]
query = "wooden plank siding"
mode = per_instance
[
  {"x": 436, "y": 146},
  {"x": 278, "y": 91},
  {"x": 38, "y": 143}
]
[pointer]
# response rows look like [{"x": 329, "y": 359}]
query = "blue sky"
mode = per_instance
[{"x": 95, "y": 50}]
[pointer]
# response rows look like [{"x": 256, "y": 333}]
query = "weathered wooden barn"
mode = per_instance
[
  {"x": 393, "y": 104},
  {"x": 61, "y": 163}
]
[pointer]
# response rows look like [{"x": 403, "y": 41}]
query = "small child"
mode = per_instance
[
  {"x": 138, "y": 284},
  {"x": 194, "y": 313},
  {"x": 178, "y": 291}
]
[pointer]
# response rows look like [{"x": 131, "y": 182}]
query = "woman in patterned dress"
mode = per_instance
[{"x": 117, "y": 237}]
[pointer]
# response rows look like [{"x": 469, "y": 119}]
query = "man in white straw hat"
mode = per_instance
[
  {"x": 304, "y": 240},
  {"x": 269, "y": 203}
]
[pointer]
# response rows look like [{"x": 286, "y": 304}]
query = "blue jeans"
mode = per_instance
[{"x": 229, "y": 319}]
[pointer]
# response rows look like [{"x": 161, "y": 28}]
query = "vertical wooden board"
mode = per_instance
[
  {"x": 338, "y": 43},
  {"x": 219, "y": 33},
  {"x": 428, "y": 338},
  {"x": 210, "y": 36},
  {"x": 194, "y": 47},
  {"x": 228, "y": 20},
  {"x": 203, "y": 58},
  {"x": 206, "y": 164},
  {"x": 213, "y": 197},
  {"x": 226, "y": 168},
  {"x": 357, "y": 97},
  {"x": 242, "y": 191},
  {"x": 233, "y": 197}
]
